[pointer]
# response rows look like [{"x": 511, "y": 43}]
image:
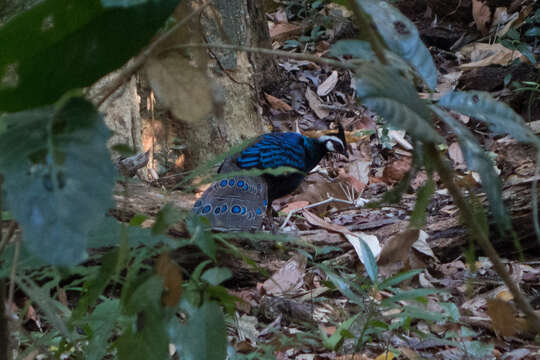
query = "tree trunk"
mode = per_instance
[{"x": 236, "y": 80}]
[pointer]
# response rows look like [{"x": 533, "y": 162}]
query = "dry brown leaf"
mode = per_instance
[
  {"x": 315, "y": 104},
  {"x": 283, "y": 31},
  {"x": 468, "y": 181},
  {"x": 454, "y": 152},
  {"x": 503, "y": 317},
  {"x": 172, "y": 280},
  {"x": 395, "y": 171},
  {"x": 482, "y": 15},
  {"x": 353, "y": 181},
  {"x": 277, "y": 103},
  {"x": 289, "y": 278},
  {"x": 350, "y": 136},
  {"x": 482, "y": 54},
  {"x": 410, "y": 353},
  {"x": 352, "y": 237},
  {"x": 181, "y": 87},
  {"x": 328, "y": 85},
  {"x": 320, "y": 191},
  {"x": 295, "y": 205},
  {"x": 397, "y": 247}
]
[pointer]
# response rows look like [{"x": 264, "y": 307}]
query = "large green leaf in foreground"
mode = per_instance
[
  {"x": 59, "y": 45},
  {"x": 59, "y": 177}
]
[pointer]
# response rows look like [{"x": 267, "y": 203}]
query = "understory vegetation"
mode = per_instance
[{"x": 80, "y": 279}]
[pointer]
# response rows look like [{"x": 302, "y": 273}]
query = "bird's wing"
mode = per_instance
[{"x": 274, "y": 150}]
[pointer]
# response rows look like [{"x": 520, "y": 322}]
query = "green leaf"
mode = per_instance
[
  {"x": 166, "y": 217},
  {"x": 97, "y": 284},
  {"x": 477, "y": 160},
  {"x": 102, "y": 325},
  {"x": 198, "y": 227},
  {"x": 409, "y": 295},
  {"x": 417, "y": 313},
  {"x": 137, "y": 220},
  {"x": 67, "y": 47},
  {"x": 451, "y": 309},
  {"x": 47, "y": 304},
  {"x": 355, "y": 48},
  {"x": 332, "y": 343},
  {"x": 369, "y": 261},
  {"x": 402, "y": 37},
  {"x": 216, "y": 275},
  {"x": 108, "y": 232},
  {"x": 500, "y": 118},
  {"x": 147, "y": 338},
  {"x": 203, "y": 336},
  {"x": 344, "y": 286},
  {"x": 534, "y": 31},
  {"x": 386, "y": 93},
  {"x": 398, "y": 278},
  {"x": 59, "y": 177},
  {"x": 423, "y": 195}
]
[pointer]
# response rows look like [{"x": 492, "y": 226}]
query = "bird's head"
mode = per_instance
[{"x": 335, "y": 143}]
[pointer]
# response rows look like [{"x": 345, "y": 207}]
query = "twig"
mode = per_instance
[
  {"x": 481, "y": 236},
  {"x": 4, "y": 333},
  {"x": 280, "y": 53},
  {"x": 12, "y": 275},
  {"x": 534, "y": 197},
  {"x": 9, "y": 234},
  {"x": 329, "y": 200},
  {"x": 134, "y": 66}
]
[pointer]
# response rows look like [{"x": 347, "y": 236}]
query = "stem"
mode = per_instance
[
  {"x": 481, "y": 236},
  {"x": 4, "y": 332},
  {"x": 534, "y": 197}
]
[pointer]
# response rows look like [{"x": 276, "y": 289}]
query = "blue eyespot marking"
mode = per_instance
[
  {"x": 243, "y": 210},
  {"x": 258, "y": 211},
  {"x": 240, "y": 183},
  {"x": 245, "y": 187},
  {"x": 223, "y": 183},
  {"x": 198, "y": 203},
  {"x": 224, "y": 208},
  {"x": 217, "y": 210},
  {"x": 236, "y": 209},
  {"x": 265, "y": 203},
  {"x": 231, "y": 182},
  {"x": 206, "y": 209}
]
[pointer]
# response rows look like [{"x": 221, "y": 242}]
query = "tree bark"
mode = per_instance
[{"x": 236, "y": 81}]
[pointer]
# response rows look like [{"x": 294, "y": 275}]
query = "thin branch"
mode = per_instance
[
  {"x": 297, "y": 56},
  {"x": 135, "y": 65},
  {"x": 534, "y": 196},
  {"x": 9, "y": 234},
  {"x": 11, "y": 293},
  {"x": 329, "y": 200},
  {"x": 4, "y": 332},
  {"x": 481, "y": 236}
]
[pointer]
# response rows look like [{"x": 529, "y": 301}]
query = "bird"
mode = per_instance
[{"x": 238, "y": 202}]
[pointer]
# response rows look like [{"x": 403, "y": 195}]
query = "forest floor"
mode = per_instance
[{"x": 293, "y": 312}]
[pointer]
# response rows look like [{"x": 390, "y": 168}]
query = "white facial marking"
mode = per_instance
[
  {"x": 328, "y": 142},
  {"x": 330, "y": 146}
]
